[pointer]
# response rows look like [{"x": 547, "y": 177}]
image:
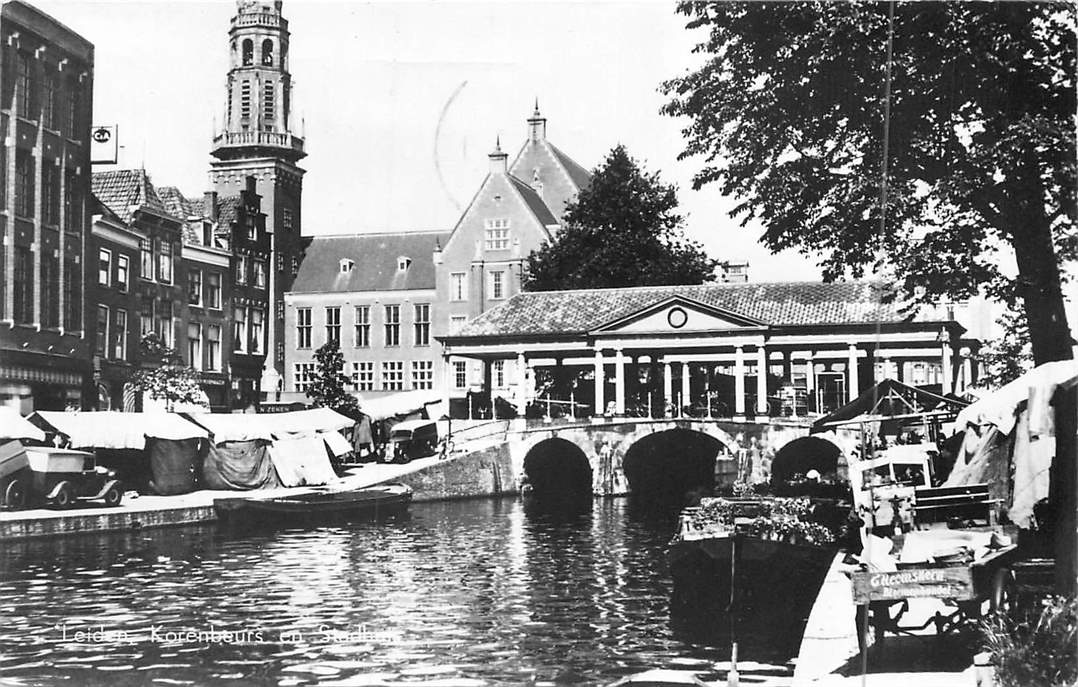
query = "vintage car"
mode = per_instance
[
  {"x": 412, "y": 439},
  {"x": 62, "y": 477},
  {"x": 15, "y": 476}
]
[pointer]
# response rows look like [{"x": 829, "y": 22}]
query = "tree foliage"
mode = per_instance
[
  {"x": 163, "y": 376},
  {"x": 787, "y": 110},
  {"x": 327, "y": 387},
  {"x": 1008, "y": 356},
  {"x": 623, "y": 230}
]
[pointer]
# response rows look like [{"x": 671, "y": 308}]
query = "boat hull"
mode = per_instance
[
  {"x": 370, "y": 503},
  {"x": 764, "y": 604}
]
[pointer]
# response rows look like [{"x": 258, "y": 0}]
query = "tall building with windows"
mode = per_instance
[
  {"x": 258, "y": 141},
  {"x": 518, "y": 207},
  {"x": 46, "y": 97},
  {"x": 373, "y": 294}
]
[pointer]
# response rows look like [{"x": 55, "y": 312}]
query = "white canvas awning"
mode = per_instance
[
  {"x": 403, "y": 403},
  {"x": 116, "y": 430},
  {"x": 15, "y": 426},
  {"x": 270, "y": 426}
]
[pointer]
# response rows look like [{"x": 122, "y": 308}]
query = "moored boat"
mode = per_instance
[
  {"x": 749, "y": 570},
  {"x": 370, "y": 502}
]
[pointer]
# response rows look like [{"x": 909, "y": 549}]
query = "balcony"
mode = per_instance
[
  {"x": 228, "y": 143},
  {"x": 257, "y": 19}
]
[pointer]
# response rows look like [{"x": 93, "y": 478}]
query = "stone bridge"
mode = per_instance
[{"x": 619, "y": 455}]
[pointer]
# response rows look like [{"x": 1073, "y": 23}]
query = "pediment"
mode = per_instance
[{"x": 678, "y": 315}]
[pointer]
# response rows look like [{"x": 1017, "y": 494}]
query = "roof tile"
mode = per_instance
[{"x": 375, "y": 257}]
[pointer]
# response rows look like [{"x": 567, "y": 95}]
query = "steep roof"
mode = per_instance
[
  {"x": 580, "y": 176},
  {"x": 777, "y": 303},
  {"x": 228, "y": 210},
  {"x": 121, "y": 190},
  {"x": 561, "y": 176},
  {"x": 180, "y": 206},
  {"x": 375, "y": 257},
  {"x": 534, "y": 202}
]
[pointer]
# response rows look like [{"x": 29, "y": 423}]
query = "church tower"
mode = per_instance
[{"x": 258, "y": 141}]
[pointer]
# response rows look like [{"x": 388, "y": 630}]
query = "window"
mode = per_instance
[
  {"x": 333, "y": 324},
  {"x": 248, "y": 52},
  {"x": 422, "y": 374},
  {"x": 458, "y": 287},
  {"x": 120, "y": 334},
  {"x": 280, "y": 263},
  {"x": 164, "y": 262},
  {"x": 303, "y": 327},
  {"x": 48, "y": 102},
  {"x": 460, "y": 374},
  {"x": 363, "y": 376},
  {"x": 260, "y": 273},
  {"x": 24, "y": 184},
  {"x": 392, "y": 375},
  {"x": 241, "y": 269},
  {"x": 295, "y": 265},
  {"x": 498, "y": 374},
  {"x": 278, "y": 308},
  {"x": 422, "y": 324},
  {"x": 456, "y": 323},
  {"x": 403, "y": 263},
  {"x": 347, "y": 265},
  {"x": 213, "y": 290},
  {"x": 286, "y": 218},
  {"x": 24, "y": 86},
  {"x": 72, "y": 205},
  {"x": 497, "y": 234},
  {"x": 164, "y": 323},
  {"x": 102, "y": 343},
  {"x": 146, "y": 258},
  {"x": 73, "y": 122},
  {"x": 146, "y": 317},
  {"x": 194, "y": 287},
  {"x": 123, "y": 269},
  {"x": 245, "y": 100},
  {"x": 72, "y": 297},
  {"x": 239, "y": 329},
  {"x": 363, "y": 326},
  {"x": 104, "y": 267},
  {"x": 393, "y": 325},
  {"x": 50, "y": 191},
  {"x": 267, "y": 53},
  {"x": 257, "y": 316},
  {"x": 269, "y": 92},
  {"x": 497, "y": 285},
  {"x": 304, "y": 375},
  {"x": 194, "y": 345},
  {"x": 23, "y": 292},
  {"x": 252, "y": 226},
  {"x": 213, "y": 347},
  {"x": 50, "y": 296}
]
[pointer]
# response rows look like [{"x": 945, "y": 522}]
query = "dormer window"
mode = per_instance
[
  {"x": 403, "y": 262},
  {"x": 347, "y": 265}
]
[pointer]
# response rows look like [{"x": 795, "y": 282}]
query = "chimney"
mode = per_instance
[
  {"x": 498, "y": 159},
  {"x": 251, "y": 185},
  {"x": 537, "y": 125},
  {"x": 209, "y": 205}
]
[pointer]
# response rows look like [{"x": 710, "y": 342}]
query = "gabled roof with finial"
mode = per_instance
[{"x": 561, "y": 176}]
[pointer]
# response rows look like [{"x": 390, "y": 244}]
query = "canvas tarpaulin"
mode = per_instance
[
  {"x": 14, "y": 426},
  {"x": 172, "y": 463},
  {"x": 302, "y": 460},
  {"x": 240, "y": 465},
  {"x": 107, "y": 429}
]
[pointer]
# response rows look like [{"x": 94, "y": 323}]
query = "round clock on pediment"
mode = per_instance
[{"x": 677, "y": 317}]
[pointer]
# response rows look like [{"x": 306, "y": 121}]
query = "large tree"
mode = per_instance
[
  {"x": 623, "y": 230},
  {"x": 787, "y": 111},
  {"x": 327, "y": 388}
]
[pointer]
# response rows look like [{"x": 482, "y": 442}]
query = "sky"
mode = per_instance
[{"x": 400, "y": 102}]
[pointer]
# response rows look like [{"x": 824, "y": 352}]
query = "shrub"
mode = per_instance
[{"x": 1036, "y": 649}]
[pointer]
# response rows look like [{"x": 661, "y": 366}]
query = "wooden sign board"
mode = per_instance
[{"x": 913, "y": 583}]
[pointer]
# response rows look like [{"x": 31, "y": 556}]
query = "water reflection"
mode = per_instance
[{"x": 499, "y": 591}]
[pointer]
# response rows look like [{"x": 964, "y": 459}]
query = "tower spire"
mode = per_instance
[{"x": 536, "y": 125}]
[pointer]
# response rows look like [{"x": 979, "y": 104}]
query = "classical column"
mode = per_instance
[
  {"x": 447, "y": 381},
  {"x": 885, "y": 364},
  {"x": 668, "y": 386},
  {"x": 810, "y": 384},
  {"x": 686, "y": 393},
  {"x": 967, "y": 369},
  {"x": 761, "y": 380},
  {"x": 851, "y": 374},
  {"x": 945, "y": 360},
  {"x": 600, "y": 383},
  {"x": 522, "y": 383},
  {"x": 739, "y": 382},
  {"x": 619, "y": 382}
]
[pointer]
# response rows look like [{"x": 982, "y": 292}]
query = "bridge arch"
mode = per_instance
[
  {"x": 802, "y": 454},
  {"x": 667, "y": 466},
  {"x": 557, "y": 467}
]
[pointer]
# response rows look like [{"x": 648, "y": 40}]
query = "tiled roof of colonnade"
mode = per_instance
[{"x": 774, "y": 303}]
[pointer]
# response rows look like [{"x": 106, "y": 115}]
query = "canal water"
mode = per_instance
[{"x": 459, "y": 593}]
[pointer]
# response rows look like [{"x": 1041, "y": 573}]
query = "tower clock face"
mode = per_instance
[{"x": 677, "y": 317}]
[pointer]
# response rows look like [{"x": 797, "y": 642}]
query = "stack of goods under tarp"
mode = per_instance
[
  {"x": 165, "y": 442},
  {"x": 273, "y": 450}
]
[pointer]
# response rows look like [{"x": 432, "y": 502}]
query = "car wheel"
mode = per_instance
[
  {"x": 65, "y": 495},
  {"x": 114, "y": 495},
  {"x": 15, "y": 494}
]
